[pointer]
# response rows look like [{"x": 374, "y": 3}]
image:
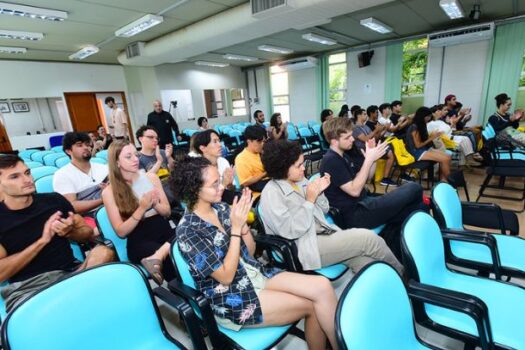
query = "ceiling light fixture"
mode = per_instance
[
  {"x": 452, "y": 8},
  {"x": 32, "y": 12},
  {"x": 84, "y": 52},
  {"x": 139, "y": 25},
  {"x": 275, "y": 49},
  {"x": 375, "y": 25},
  {"x": 8, "y": 49},
  {"x": 211, "y": 64},
  {"x": 13, "y": 34},
  {"x": 230, "y": 56},
  {"x": 319, "y": 39}
]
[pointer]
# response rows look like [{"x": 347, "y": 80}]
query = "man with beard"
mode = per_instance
[{"x": 80, "y": 181}]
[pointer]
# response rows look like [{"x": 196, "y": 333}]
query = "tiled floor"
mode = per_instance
[{"x": 474, "y": 178}]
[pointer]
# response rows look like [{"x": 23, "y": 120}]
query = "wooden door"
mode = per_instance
[
  {"x": 5, "y": 145},
  {"x": 83, "y": 110}
]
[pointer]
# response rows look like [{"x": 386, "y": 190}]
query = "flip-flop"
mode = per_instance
[{"x": 154, "y": 268}]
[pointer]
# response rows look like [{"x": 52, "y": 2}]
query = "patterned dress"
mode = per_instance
[{"x": 204, "y": 247}]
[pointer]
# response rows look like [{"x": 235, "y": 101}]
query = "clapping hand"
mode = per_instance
[
  {"x": 63, "y": 226},
  {"x": 240, "y": 209},
  {"x": 374, "y": 152},
  {"x": 227, "y": 176},
  {"x": 48, "y": 233},
  {"x": 168, "y": 150}
]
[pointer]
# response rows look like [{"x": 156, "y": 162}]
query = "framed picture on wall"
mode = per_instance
[
  {"x": 20, "y": 107},
  {"x": 4, "y": 107}
]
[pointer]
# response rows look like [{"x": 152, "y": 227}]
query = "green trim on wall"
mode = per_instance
[
  {"x": 322, "y": 83},
  {"x": 268, "y": 83},
  {"x": 504, "y": 66},
  {"x": 393, "y": 72}
]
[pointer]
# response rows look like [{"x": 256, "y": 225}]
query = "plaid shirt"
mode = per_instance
[{"x": 204, "y": 247}]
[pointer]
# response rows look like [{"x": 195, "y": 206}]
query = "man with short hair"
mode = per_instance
[
  {"x": 248, "y": 164},
  {"x": 401, "y": 122},
  {"x": 80, "y": 181},
  {"x": 258, "y": 116},
  {"x": 151, "y": 157},
  {"x": 35, "y": 234},
  {"x": 119, "y": 120},
  {"x": 347, "y": 190},
  {"x": 163, "y": 123},
  {"x": 385, "y": 111},
  {"x": 104, "y": 138}
]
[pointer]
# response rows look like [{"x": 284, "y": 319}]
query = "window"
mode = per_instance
[
  {"x": 415, "y": 57},
  {"x": 522, "y": 77},
  {"x": 337, "y": 81},
  {"x": 280, "y": 95},
  {"x": 238, "y": 102},
  {"x": 520, "y": 100}
]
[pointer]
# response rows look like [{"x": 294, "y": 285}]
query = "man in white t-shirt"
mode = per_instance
[
  {"x": 384, "y": 118},
  {"x": 80, "y": 181},
  {"x": 119, "y": 120}
]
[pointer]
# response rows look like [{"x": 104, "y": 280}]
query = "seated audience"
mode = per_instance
[
  {"x": 362, "y": 134},
  {"x": 463, "y": 143},
  {"x": 347, "y": 189},
  {"x": 137, "y": 209},
  {"x": 372, "y": 121},
  {"x": 278, "y": 129},
  {"x": 353, "y": 110},
  {"x": 219, "y": 248},
  {"x": 386, "y": 110},
  {"x": 80, "y": 181},
  {"x": 151, "y": 157},
  {"x": 343, "y": 113},
  {"x": 104, "y": 138},
  {"x": 326, "y": 114},
  {"x": 203, "y": 123},
  {"x": 248, "y": 165},
  {"x": 294, "y": 208},
  {"x": 95, "y": 145},
  {"x": 400, "y": 122},
  {"x": 419, "y": 142},
  {"x": 506, "y": 124},
  {"x": 35, "y": 233}
]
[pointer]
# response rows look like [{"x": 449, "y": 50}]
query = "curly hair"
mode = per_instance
[
  {"x": 186, "y": 179},
  {"x": 278, "y": 156}
]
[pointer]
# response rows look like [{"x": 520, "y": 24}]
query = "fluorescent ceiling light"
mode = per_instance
[
  {"x": 13, "y": 34},
  {"x": 275, "y": 49},
  {"x": 230, "y": 56},
  {"x": 31, "y": 12},
  {"x": 375, "y": 25},
  {"x": 211, "y": 64},
  {"x": 85, "y": 52},
  {"x": 452, "y": 8},
  {"x": 319, "y": 39},
  {"x": 7, "y": 49},
  {"x": 139, "y": 25}
]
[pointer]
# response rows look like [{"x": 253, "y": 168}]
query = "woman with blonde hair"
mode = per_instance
[{"x": 138, "y": 209}]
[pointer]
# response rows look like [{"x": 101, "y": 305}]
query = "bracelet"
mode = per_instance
[{"x": 232, "y": 235}]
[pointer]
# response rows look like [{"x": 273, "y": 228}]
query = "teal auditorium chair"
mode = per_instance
[
  {"x": 102, "y": 154},
  {"x": 57, "y": 149},
  {"x": 425, "y": 261},
  {"x": 98, "y": 160},
  {"x": 49, "y": 159},
  {"x": 39, "y": 156},
  {"x": 31, "y": 165},
  {"x": 105, "y": 228},
  {"x": 369, "y": 318},
  {"x": 258, "y": 338},
  {"x": 60, "y": 162},
  {"x": 448, "y": 213},
  {"x": 502, "y": 152},
  {"x": 109, "y": 307},
  {"x": 44, "y": 184},
  {"x": 26, "y": 154},
  {"x": 42, "y": 171}
]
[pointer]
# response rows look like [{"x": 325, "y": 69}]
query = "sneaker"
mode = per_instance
[
  {"x": 387, "y": 182},
  {"x": 406, "y": 178}
]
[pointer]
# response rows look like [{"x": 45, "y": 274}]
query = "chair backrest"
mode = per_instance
[
  {"x": 56, "y": 141},
  {"x": 49, "y": 159},
  {"x": 105, "y": 227},
  {"x": 39, "y": 155},
  {"x": 488, "y": 132},
  {"x": 44, "y": 184},
  {"x": 106, "y": 307},
  {"x": 313, "y": 124},
  {"x": 368, "y": 318},
  {"x": 422, "y": 248},
  {"x": 58, "y": 149},
  {"x": 98, "y": 160},
  {"x": 182, "y": 266},
  {"x": 31, "y": 165},
  {"x": 43, "y": 171},
  {"x": 292, "y": 133},
  {"x": 305, "y": 132},
  {"x": 448, "y": 205},
  {"x": 102, "y": 154},
  {"x": 60, "y": 162},
  {"x": 27, "y": 153}
]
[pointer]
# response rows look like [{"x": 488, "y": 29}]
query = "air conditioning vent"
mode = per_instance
[
  {"x": 266, "y": 8},
  {"x": 298, "y": 63},
  {"x": 134, "y": 49},
  {"x": 462, "y": 35}
]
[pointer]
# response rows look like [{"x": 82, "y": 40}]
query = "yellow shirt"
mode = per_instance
[{"x": 248, "y": 164}]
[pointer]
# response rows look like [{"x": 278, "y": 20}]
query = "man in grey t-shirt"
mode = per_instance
[{"x": 151, "y": 157}]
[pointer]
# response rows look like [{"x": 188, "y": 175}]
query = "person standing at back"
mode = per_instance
[
  {"x": 163, "y": 122},
  {"x": 119, "y": 120}
]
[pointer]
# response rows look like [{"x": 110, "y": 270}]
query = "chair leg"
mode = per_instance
[{"x": 483, "y": 186}]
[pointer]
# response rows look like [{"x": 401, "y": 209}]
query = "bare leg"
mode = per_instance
[
  {"x": 389, "y": 164},
  {"x": 442, "y": 158},
  {"x": 162, "y": 253},
  {"x": 98, "y": 256},
  {"x": 316, "y": 289}
]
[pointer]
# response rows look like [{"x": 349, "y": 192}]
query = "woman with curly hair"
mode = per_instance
[
  {"x": 294, "y": 208},
  {"x": 137, "y": 208},
  {"x": 278, "y": 129},
  {"x": 219, "y": 247}
]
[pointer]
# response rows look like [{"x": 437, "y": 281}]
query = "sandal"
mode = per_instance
[{"x": 154, "y": 268}]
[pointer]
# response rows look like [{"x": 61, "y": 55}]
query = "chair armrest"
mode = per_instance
[
  {"x": 467, "y": 304},
  {"x": 487, "y": 207},
  {"x": 199, "y": 301},
  {"x": 477, "y": 238},
  {"x": 186, "y": 313},
  {"x": 282, "y": 246}
]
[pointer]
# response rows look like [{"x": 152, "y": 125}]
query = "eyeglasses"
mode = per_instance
[
  {"x": 152, "y": 137},
  {"x": 217, "y": 185}
]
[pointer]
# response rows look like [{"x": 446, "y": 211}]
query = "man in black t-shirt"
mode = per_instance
[
  {"x": 163, "y": 122},
  {"x": 400, "y": 122},
  {"x": 347, "y": 190},
  {"x": 35, "y": 233}
]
